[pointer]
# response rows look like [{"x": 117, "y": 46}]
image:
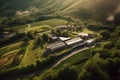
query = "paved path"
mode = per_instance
[
  {"x": 53, "y": 65},
  {"x": 66, "y": 57}
]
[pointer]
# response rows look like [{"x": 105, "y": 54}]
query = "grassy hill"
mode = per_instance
[
  {"x": 26, "y": 27},
  {"x": 11, "y": 6},
  {"x": 85, "y": 9}
]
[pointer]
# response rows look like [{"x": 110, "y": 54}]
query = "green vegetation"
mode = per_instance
[
  {"x": 25, "y": 33},
  {"x": 9, "y": 48},
  {"x": 75, "y": 60},
  {"x": 101, "y": 62},
  {"x": 11, "y": 55},
  {"x": 50, "y": 22},
  {"x": 13, "y": 14}
]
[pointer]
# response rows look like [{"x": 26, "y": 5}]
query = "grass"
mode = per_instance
[
  {"x": 27, "y": 53},
  {"x": 63, "y": 52},
  {"x": 8, "y": 59},
  {"x": 36, "y": 29},
  {"x": 88, "y": 31},
  {"x": 11, "y": 55},
  {"x": 32, "y": 54},
  {"x": 75, "y": 59},
  {"x": 104, "y": 43},
  {"x": 50, "y": 22},
  {"x": 9, "y": 48},
  {"x": 78, "y": 60}
]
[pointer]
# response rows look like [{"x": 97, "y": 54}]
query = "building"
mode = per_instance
[
  {"x": 91, "y": 36},
  {"x": 83, "y": 35},
  {"x": 55, "y": 47},
  {"x": 53, "y": 38},
  {"x": 63, "y": 27},
  {"x": 90, "y": 42},
  {"x": 61, "y": 43},
  {"x": 74, "y": 42},
  {"x": 64, "y": 38}
]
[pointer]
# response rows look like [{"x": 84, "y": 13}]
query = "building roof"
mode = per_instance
[
  {"x": 61, "y": 26},
  {"x": 56, "y": 45},
  {"x": 73, "y": 41},
  {"x": 64, "y": 38},
  {"x": 90, "y": 40},
  {"x": 53, "y": 38},
  {"x": 83, "y": 34}
]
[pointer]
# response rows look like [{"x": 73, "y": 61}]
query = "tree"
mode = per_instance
[
  {"x": 68, "y": 73},
  {"x": 117, "y": 32},
  {"x": 1, "y": 28},
  {"x": 39, "y": 41},
  {"x": 117, "y": 19},
  {"x": 108, "y": 45},
  {"x": 51, "y": 75},
  {"x": 105, "y": 34},
  {"x": 118, "y": 44},
  {"x": 93, "y": 69},
  {"x": 116, "y": 53},
  {"x": 45, "y": 37},
  {"x": 58, "y": 32},
  {"x": 26, "y": 39},
  {"x": 30, "y": 35}
]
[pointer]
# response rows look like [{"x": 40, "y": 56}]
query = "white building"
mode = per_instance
[
  {"x": 74, "y": 42},
  {"x": 83, "y": 34},
  {"x": 64, "y": 38},
  {"x": 90, "y": 42}
]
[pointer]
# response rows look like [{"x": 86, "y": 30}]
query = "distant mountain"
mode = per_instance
[
  {"x": 9, "y": 7},
  {"x": 84, "y": 9}
]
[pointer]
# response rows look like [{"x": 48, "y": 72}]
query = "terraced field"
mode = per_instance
[{"x": 49, "y": 22}]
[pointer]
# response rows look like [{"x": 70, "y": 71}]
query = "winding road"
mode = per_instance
[
  {"x": 66, "y": 57},
  {"x": 52, "y": 65}
]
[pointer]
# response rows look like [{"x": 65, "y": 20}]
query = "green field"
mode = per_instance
[
  {"x": 11, "y": 55},
  {"x": 77, "y": 59},
  {"x": 32, "y": 54},
  {"x": 50, "y": 22}
]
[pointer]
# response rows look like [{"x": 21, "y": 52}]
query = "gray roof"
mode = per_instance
[
  {"x": 56, "y": 45},
  {"x": 73, "y": 41}
]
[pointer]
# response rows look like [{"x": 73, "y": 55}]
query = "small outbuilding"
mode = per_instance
[
  {"x": 64, "y": 38},
  {"x": 90, "y": 42}
]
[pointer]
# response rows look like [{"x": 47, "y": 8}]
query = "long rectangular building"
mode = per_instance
[
  {"x": 56, "y": 46},
  {"x": 74, "y": 42},
  {"x": 61, "y": 45}
]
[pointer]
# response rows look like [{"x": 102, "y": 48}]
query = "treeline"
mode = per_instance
[
  {"x": 95, "y": 26},
  {"x": 21, "y": 21},
  {"x": 95, "y": 68},
  {"x": 17, "y": 37}
]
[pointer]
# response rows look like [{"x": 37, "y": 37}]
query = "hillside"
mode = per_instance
[
  {"x": 82, "y": 9},
  {"x": 13, "y": 6},
  {"x": 59, "y": 40}
]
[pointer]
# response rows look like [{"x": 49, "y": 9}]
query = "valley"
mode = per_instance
[{"x": 59, "y": 40}]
